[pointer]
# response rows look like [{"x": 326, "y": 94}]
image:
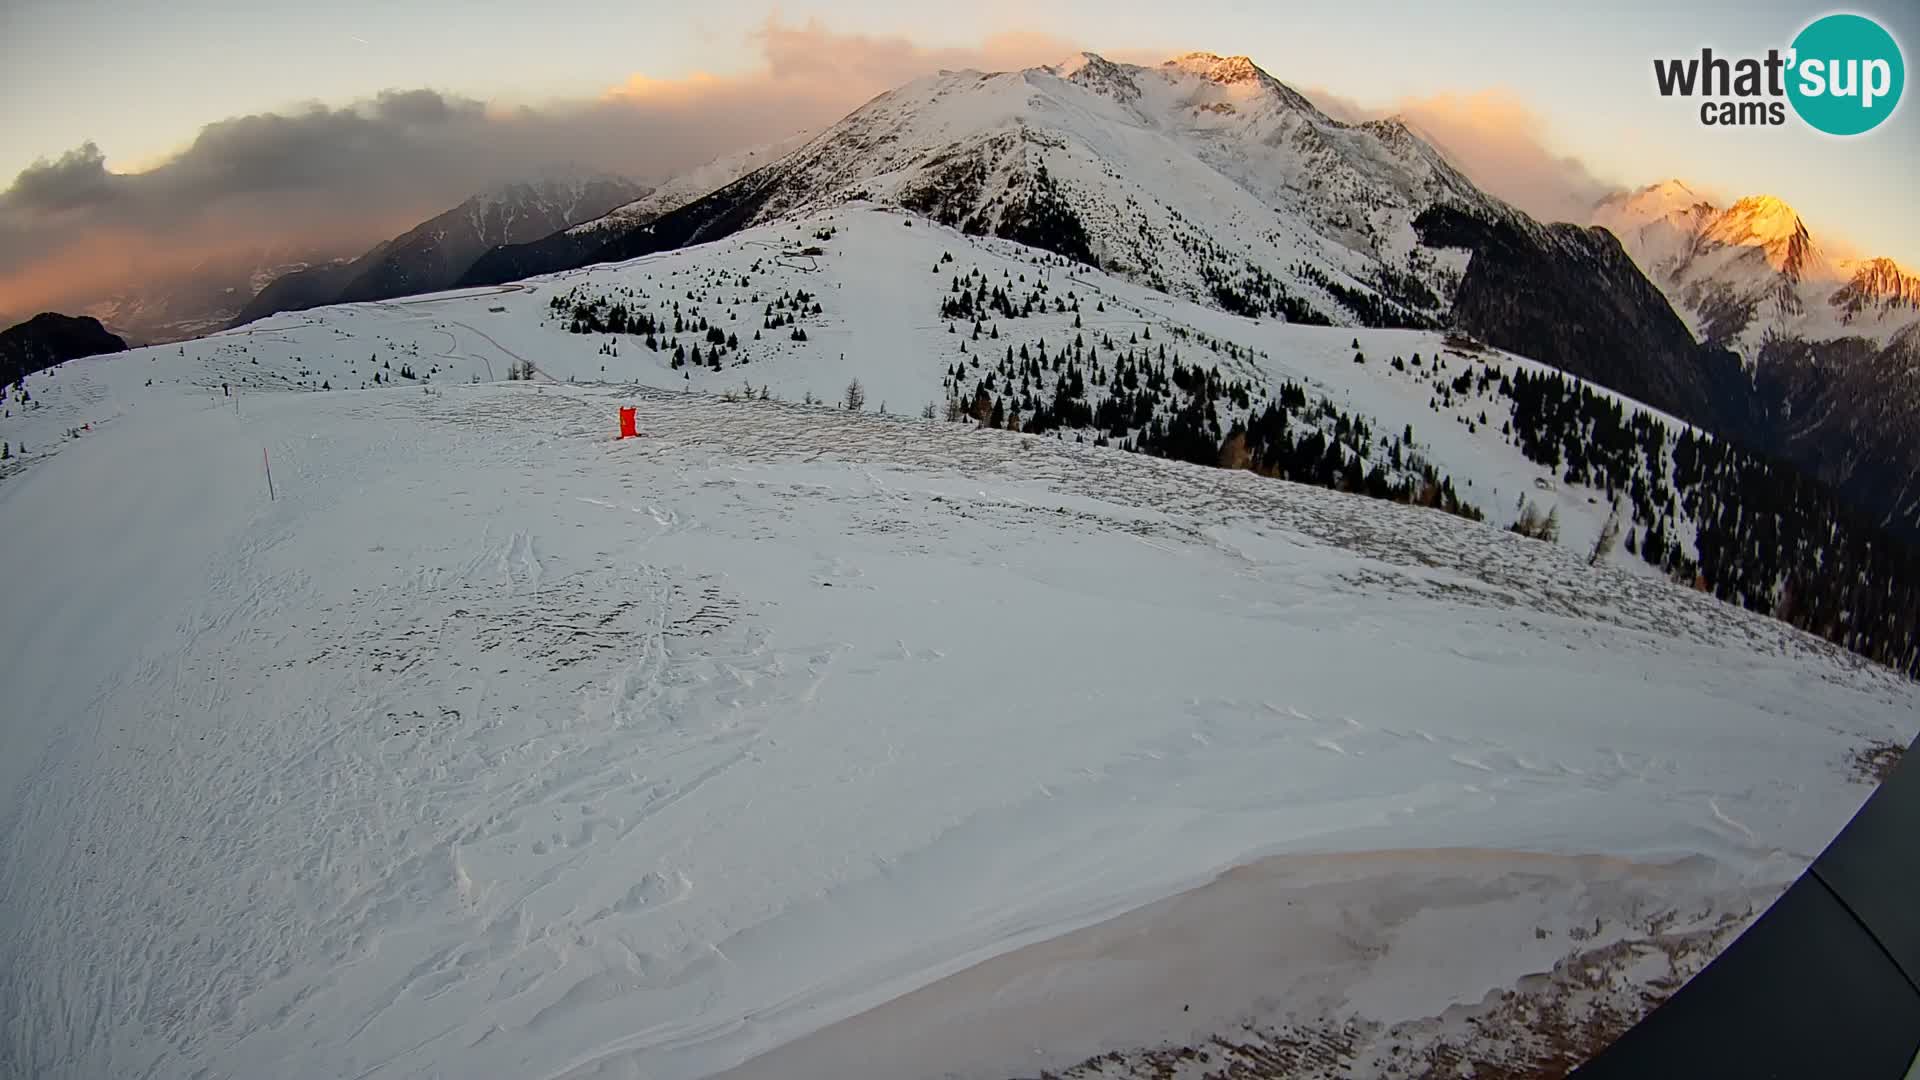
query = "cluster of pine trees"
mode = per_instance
[
  {"x": 1404, "y": 287},
  {"x": 1141, "y": 397},
  {"x": 1316, "y": 443},
  {"x": 969, "y": 298},
  {"x": 625, "y": 312},
  {"x": 1396, "y": 299},
  {"x": 1045, "y": 219},
  {"x": 606, "y": 315},
  {"x": 719, "y": 344},
  {"x": 786, "y": 311},
  {"x": 1036, "y": 214},
  {"x": 1256, "y": 293},
  {"x": 1372, "y": 309},
  {"x": 1764, "y": 535}
]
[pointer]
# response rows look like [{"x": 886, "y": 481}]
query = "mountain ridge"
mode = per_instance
[
  {"x": 1831, "y": 345},
  {"x": 49, "y": 339},
  {"x": 1207, "y": 178},
  {"x": 433, "y": 254},
  {"x": 972, "y": 147},
  {"x": 1753, "y": 270}
]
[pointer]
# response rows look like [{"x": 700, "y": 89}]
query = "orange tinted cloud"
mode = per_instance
[
  {"x": 871, "y": 64},
  {"x": 809, "y": 76},
  {"x": 96, "y": 264},
  {"x": 640, "y": 87},
  {"x": 1503, "y": 144},
  {"x": 1499, "y": 141},
  {"x": 71, "y": 230}
]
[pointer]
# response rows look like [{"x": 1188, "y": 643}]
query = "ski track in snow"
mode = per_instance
[{"x": 497, "y": 748}]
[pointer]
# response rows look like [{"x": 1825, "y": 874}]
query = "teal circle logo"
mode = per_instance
[{"x": 1847, "y": 74}]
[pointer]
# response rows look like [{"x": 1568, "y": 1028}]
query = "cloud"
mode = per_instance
[
  {"x": 813, "y": 55},
  {"x": 339, "y": 178},
  {"x": 417, "y": 108},
  {"x": 333, "y": 179},
  {"x": 1499, "y": 141},
  {"x": 1502, "y": 144},
  {"x": 78, "y": 179},
  {"x": 1341, "y": 108}
]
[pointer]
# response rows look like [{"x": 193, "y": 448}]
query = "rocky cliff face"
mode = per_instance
[{"x": 1571, "y": 296}]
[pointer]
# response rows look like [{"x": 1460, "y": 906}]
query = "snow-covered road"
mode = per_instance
[{"x": 496, "y": 748}]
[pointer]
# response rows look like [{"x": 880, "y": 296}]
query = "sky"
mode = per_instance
[{"x": 155, "y": 133}]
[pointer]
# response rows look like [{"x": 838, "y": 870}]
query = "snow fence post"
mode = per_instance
[{"x": 269, "y": 465}]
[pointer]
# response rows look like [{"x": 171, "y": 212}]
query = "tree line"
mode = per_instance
[
  {"x": 1748, "y": 529},
  {"x": 1144, "y": 398}
]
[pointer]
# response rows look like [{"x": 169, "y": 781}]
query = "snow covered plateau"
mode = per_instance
[{"x": 803, "y": 743}]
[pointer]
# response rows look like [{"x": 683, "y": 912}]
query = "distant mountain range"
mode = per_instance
[
  {"x": 434, "y": 254},
  {"x": 1753, "y": 272},
  {"x": 164, "y": 306},
  {"x": 578, "y": 245},
  {"x": 1207, "y": 178}
]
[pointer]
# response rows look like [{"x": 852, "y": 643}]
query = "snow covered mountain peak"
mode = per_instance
[
  {"x": 1635, "y": 209},
  {"x": 1221, "y": 85},
  {"x": 683, "y": 188},
  {"x": 1673, "y": 185},
  {"x": 1768, "y": 223},
  {"x": 1878, "y": 285},
  {"x": 434, "y": 254},
  {"x": 1242, "y": 82},
  {"x": 1203, "y": 176},
  {"x": 1099, "y": 74},
  {"x": 1767, "y": 208},
  {"x": 1221, "y": 69},
  {"x": 1752, "y": 272},
  {"x": 1079, "y": 62}
]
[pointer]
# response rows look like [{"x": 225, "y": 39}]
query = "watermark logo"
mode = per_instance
[
  {"x": 1850, "y": 74},
  {"x": 1843, "y": 75}
]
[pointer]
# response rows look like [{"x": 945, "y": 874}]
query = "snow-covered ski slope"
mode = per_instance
[{"x": 495, "y": 747}]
